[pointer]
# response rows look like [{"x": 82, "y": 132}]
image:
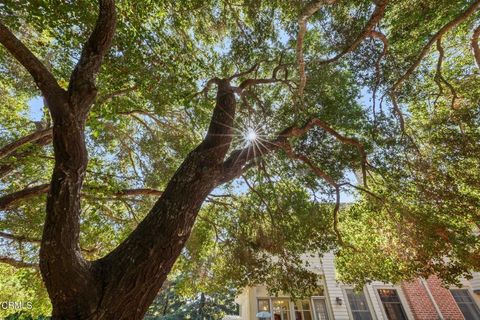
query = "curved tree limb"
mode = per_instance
[
  {"x": 380, "y": 36},
  {"x": 377, "y": 15},
  {"x": 236, "y": 163},
  {"x": 450, "y": 25},
  {"x": 10, "y": 199},
  {"x": 474, "y": 44},
  {"x": 30, "y": 138},
  {"x": 44, "y": 79},
  {"x": 252, "y": 82},
  {"x": 439, "y": 77},
  {"x": 17, "y": 263}
]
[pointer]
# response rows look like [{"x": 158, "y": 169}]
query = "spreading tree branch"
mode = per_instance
[
  {"x": 27, "y": 193},
  {"x": 474, "y": 44},
  {"x": 307, "y": 12},
  {"x": 8, "y": 200},
  {"x": 397, "y": 85},
  {"x": 81, "y": 88},
  {"x": 44, "y": 79},
  {"x": 239, "y": 159},
  {"x": 375, "y": 18},
  {"x": 30, "y": 138},
  {"x": 439, "y": 77},
  {"x": 252, "y": 82},
  {"x": 450, "y": 25},
  {"x": 17, "y": 263}
]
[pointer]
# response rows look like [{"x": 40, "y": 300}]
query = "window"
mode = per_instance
[
  {"x": 320, "y": 309},
  {"x": 358, "y": 305},
  {"x": 263, "y": 305},
  {"x": 392, "y": 304},
  {"x": 281, "y": 309},
  {"x": 302, "y": 310},
  {"x": 466, "y": 304}
]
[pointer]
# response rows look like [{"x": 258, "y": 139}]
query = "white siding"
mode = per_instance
[
  {"x": 475, "y": 281},
  {"x": 333, "y": 289},
  {"x": 375, "y": 303}
]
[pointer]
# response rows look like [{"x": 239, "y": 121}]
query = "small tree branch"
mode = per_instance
[
  {"x": 31, "y": 138},
  {"x": 380, "y": 36},
  {"x": 138, "y": 192},
  {"x": 17, "y": 263},
  {"x": 19, "y": 238},
  {"x": 22, "y": 238},
  {"x": 244, "y": 73},
  {"x": 252, "y": 82},
  {"x": 111, "y": 95}
]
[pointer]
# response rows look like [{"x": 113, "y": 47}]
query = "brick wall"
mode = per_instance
[
  {"x": 421, "y": 304},
  {"x": 444, "y": 299},
  {"x": 419, "y": 301}
]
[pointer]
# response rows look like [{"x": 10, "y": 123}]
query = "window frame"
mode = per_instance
[
  {"x": 289, "y": 304},
  {"x": 403, "y": 300},
  {"x": 371, "y": 309},
  {"x": 269, "y": 305}
]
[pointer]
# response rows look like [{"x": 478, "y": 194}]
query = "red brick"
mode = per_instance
[{"x": 419, "y": 301}]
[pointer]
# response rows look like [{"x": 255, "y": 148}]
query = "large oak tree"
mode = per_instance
[{"x": 250, "y": 116}]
